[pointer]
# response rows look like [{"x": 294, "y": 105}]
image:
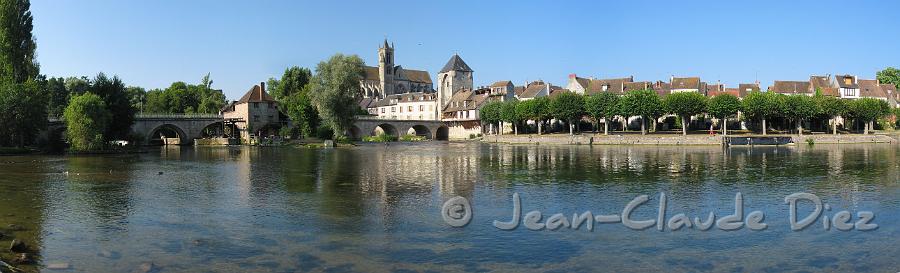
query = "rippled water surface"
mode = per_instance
[{"x": 376, "y": 208}]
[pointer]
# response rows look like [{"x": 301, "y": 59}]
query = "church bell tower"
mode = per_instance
[
  {"x": 386, "y": 68},
  {"x": 455, "y": 76}
]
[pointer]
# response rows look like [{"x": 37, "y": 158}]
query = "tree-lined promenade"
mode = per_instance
[{"x": 759, "y": 110}]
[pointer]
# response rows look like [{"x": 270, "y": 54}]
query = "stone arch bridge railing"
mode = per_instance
[{"x": 371, "y": 125}]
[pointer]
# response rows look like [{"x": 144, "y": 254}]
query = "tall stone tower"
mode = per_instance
[
  {"x": 386, "y": 68},
  {"x": 456, "y": 75}
]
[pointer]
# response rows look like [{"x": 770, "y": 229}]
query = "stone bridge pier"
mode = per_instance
[{"x": 370, "y": 126}]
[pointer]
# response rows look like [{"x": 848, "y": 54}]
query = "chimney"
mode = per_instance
[
  {"x": 672, "y": 78},
  {"x": 262, "y": 87},
  {"x": 572, "y": 76}
]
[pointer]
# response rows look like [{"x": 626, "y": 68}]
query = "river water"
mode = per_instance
[{"x": 377, "y": 208}]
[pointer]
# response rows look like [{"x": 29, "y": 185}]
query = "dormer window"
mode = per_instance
[
  {"x": 605, "y": 87},
  {"x": 848, "y": 80}
]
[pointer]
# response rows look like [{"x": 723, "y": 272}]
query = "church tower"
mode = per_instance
[
  {"x": 456, "y": 75},
  {"x": 386, "y": 68}
]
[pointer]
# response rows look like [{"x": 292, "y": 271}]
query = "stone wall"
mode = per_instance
[
  {"x": 588, "y": 139},
  {"x": 844, "y": 139}
]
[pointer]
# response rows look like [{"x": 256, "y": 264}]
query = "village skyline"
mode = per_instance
[{"x": 239, "y": 44}]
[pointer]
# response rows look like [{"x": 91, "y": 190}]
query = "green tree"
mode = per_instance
[
  {"x": 77, "y": 85},
  {"x": 298, "y": 106},
  {"x": 292, "y": 81},
  {"x": 87, "y": 118},
  {"x": 508, "y": 114},
  {"x": 17, "y": 45},
  {"x": 868, "y": 110},
  {"x": 643, "y": 103},
  {"x": 685, "y": 105},
  {"x": 831, "y": 107},
  {"x": 723, "y": 107},
  {"x": 568, "y": 106},
  {"x": 24, "y": 108},
  {"x": 889, "y": 75},
  {"x": 799, "y": 108},
  {"x": 490, "y": 113},
  {"x": 335, "y": 90},
  {"x": 601, "y": 106},
  {"x": 112, "y": 91},
  {"x": 58, "y": 96},
  {"x": 136, "y": 96},
  {"x": 526, "y": 110},
  {"x": 761, "y": 106}
]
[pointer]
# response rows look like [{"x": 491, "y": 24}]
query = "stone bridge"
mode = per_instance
[
  {"x": 184, "y": 127},
  {"x": 370, "y": 126}
]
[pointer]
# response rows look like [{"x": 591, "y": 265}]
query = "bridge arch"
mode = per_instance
[
  {"x": 385, "y": 128},
  {"x": 419, "y": 130},
  {"x": 354, "y": 133},
  {"x": 442, "y": 133},
  {"x": 167, "y": 130}
]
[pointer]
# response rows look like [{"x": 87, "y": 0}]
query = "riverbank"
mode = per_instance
[{"x": 656, "y": 139}]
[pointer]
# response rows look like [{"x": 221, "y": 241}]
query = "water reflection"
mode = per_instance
[{"x": 374, "y": 207}]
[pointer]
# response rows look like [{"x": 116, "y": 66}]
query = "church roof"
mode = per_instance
[{"x": 456, "y": 64}]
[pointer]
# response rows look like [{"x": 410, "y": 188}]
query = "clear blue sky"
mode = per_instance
[{"x": 153, "y": 43}]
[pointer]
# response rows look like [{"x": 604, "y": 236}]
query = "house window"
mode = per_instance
[
  {"x": 393, "y": 109},
  {"x": 848, "y": 81},
  {"x": 605, "y": 87},
  {"x": 382, "y": 110},
  {"x": 401, "y": 109},
  {"x": 421, "y": 108},
  {"x": 410, "y": 109}
]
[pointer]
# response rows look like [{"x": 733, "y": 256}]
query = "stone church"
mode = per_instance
[{"x": 390, "y": 79}]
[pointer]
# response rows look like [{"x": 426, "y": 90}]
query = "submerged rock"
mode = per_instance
[
  {"x": 18, "y": 246},
  {"x": 59, "y": 266},
  {"x": 145, "y": 268}
]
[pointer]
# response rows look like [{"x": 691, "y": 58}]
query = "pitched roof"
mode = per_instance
[
  {"x": 501, "y": 84},
  {"x": 746, "y": 88},
  {"x": 456, "y": 64},
  {"x": 366, "y": 103},
  {"x": 556, "y": 92},
  {"x": 843, "y": 83},
  {"x": 372, "y": 73},
  {"x": 820, "y": 82},
  {"x": 256, "y": 94},
  {"x": 871, "y": 89},
  {"x": 790, "y": 87},
  {"x": 631, "y": 86},
  {"x": 615, "y": 85},
  {"x": 533, "y": 89},
  {"x": 662, "y": 88},
  {"x": 465, "y": 99},
  {"x": 519, "y": 90},
  {"x": 412, "y": 75},
  {"x": 686, "y": 83}
]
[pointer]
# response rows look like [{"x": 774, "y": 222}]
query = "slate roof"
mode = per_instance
[
  {"x": 256, "y": 94},
  {"x": 456, "y": 64},
  {"x": 556, "y": 92},
  {"x": 840, "y": 81},
  {"x": 790, "y": 87}
]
